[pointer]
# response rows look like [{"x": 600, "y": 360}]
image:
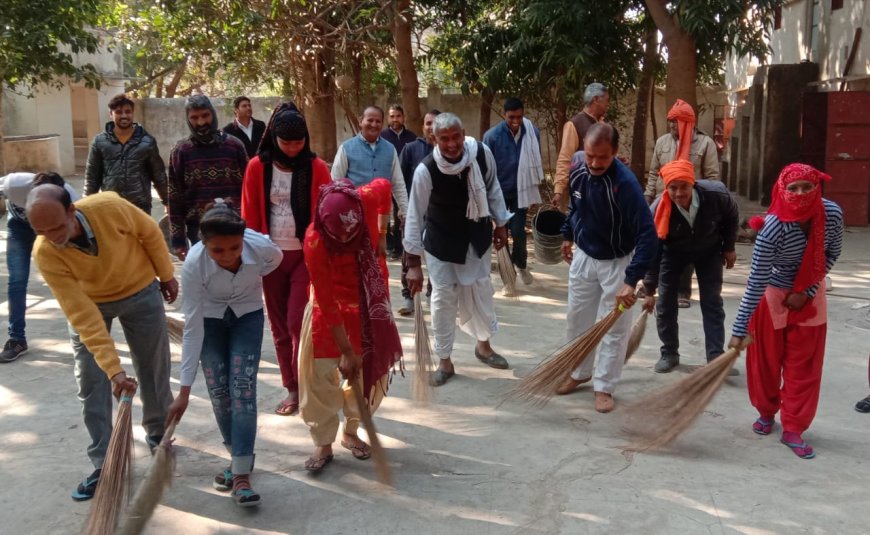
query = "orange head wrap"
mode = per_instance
[
  {"x": 683, "y": 113},
  {"x": 670, "y": 172}
]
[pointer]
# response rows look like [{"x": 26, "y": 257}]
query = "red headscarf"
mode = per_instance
[
  {"x": 683, "y": 113},
  {"x": 796, "y": 208},
  {"x": 675, "y": 170},
  {"x": 340, "y": 220}
]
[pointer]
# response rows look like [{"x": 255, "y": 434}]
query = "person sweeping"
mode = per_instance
[
  {"x": 223, "y": 308},
  {"x": 352, "y": 326},
  {"x": 784, "y": 307}
]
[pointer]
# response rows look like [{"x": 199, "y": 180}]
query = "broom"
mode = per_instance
[
  {"x": 115, "y": 478},
  {"x": 540, "y": 385},
  {"x": 637, "y": 332},
  {"x": 151, "y": 489},
  {"x": 421, "y": 389},
  {"x": 507, "y": 272},
  {"x": 660, "y": 416},
  {"x": 175, "y": 329},
  {"x": 379, "y": 456}
]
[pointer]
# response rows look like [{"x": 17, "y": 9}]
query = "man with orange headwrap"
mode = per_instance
[
  {"x": 683, "y": 141},
  {"x": 696, "y": 222}
]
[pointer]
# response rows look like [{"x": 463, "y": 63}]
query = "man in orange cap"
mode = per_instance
[
  {"x": 683, "y": 141},
  {"x": 696, "y": 222}
]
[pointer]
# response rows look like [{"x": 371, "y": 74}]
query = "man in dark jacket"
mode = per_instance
[
  {"x": 616, "y": 243},
  {"x": 696, "y": 222},
  {"x": 244, "y": 127},
  {"x": 125, "y": 159}
]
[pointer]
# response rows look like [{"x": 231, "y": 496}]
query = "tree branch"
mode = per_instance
[{"x": 665, "y": 21}]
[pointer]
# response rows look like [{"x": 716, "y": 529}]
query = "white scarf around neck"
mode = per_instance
[{"x": 478, "y": 204}]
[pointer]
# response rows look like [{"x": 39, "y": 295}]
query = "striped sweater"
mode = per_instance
[{"x": 779, "y": 249}]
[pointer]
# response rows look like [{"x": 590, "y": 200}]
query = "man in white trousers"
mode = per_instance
[{"x": 616, "y": 242}]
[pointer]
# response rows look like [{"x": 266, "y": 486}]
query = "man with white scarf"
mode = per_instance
[
  {"x": 520, "y": 171},
  {"x": 455, "y": 200}
]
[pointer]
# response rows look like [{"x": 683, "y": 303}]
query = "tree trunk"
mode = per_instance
[
  {"x": 158, "y": 85},
  {"x": 486, "y": 98},
  {"x": 652, "y": 112},
  {"x": 410, "y": 86},
  {"x": 2, "y": 137},
  {"x": 682, "y": 71},
  {"x": 641, "y": 114},
  {"x": 176, "y": 79},
  {"x": 319, "y": 102}
]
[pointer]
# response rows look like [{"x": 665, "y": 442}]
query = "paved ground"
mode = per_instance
[{"x": 464, "y": 464}]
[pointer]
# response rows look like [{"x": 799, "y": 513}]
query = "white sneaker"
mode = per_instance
[
  {"x": 526, "y": 275},
  {"x": 407, "y": 308}
]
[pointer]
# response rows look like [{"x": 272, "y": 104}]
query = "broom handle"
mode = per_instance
[
  {"x": 377, "y": 450},
  {"x": 167, "y": 435}
]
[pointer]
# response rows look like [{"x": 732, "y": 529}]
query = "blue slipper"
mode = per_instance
[
  {"x": 86, "y": 489},
  {"x": 802, "y": 450}
]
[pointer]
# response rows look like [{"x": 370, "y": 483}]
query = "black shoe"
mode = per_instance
[
  {"x": 666, "y": 364},
  {"x": 86, "y": 489},
  {"x": 493, "y": 361},
  {"x": 13, "y": 350},
  {"x": 439, "y": 377},
  {"x": 863, "y": 405}
]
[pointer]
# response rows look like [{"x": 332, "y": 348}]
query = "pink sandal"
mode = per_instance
[
  {"x": 797, "y": 445},
  {"x": 763, "y": 426}
]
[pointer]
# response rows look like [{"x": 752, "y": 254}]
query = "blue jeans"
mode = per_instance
[
  {"x": 19, "y": 244},
  {"x": 709, "y": 268},
  {"x": 230, "y": 359}
]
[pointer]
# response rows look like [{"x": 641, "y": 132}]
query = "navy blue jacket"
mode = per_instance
[
  {"x": 506, "y": 152},
  {"x": 608, "y": 218},
  {"x": 411, "y": 156},
  {"x": 398, "y": 140}
]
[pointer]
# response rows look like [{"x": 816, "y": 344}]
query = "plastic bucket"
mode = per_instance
[{"x": 547, "y": 235}]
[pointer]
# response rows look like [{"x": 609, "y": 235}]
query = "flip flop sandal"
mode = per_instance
[
  {"x": 246, "y": 497},
  {"x": 287, "y": 409},
  {"x": 86, "y": 489},
  {"x": 359, "y": 452},
  {"x": 223, "y": 481},
  {"x": 762, "y": 427},
  {"x": 802, "y": 450},
  {"x": 317, "y": 465}
]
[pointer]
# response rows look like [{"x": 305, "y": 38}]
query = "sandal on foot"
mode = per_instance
[
  {"x": 439, "y": 377},
  {"x": 362, "y": 452},
  {"x": 246, "y": 497},
  {"x": 287, "y": 408},
  {"x": 863, "y": 405},
  {"x": 798, "y": 446},
  {"x": 223, "y": 481},
  {"x": 317, "y": 465},
  {"x": 762, "y": 426},
  {"x": 86, "y": 489}
]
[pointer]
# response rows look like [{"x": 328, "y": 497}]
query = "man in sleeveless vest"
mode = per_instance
[
  {"x": 455, "y": 200},
  {"x": 368, "y": 156}
]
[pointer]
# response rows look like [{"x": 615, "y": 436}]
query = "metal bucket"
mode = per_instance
[{"x": 547, "y": 235}]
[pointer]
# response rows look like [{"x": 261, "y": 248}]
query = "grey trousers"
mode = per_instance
[{"x": 144, "y": 323}]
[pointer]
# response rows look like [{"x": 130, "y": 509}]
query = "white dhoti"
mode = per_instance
[
  {"x": 465, "y": 289},
  {"x": 592, "y": 288}
]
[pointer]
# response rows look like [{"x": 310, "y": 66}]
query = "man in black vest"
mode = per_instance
[
  {"x": 456, "y": 199},
  {"x": 244, "y": 126}
]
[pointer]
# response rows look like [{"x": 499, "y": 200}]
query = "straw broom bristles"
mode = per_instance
[
  {"x": 637, "y": 332},
  {"x": 507, "y": 272},
  {"x": 114, "y": 483},
  {"x": 421, "y": 389},
  {"x": 175, "y": 329},
  {"x": 662, "y": 415},
  {"x": 379, "y": 456},
  {"x": 151, "y": 489},
  {"x": 540, "y": 385}
]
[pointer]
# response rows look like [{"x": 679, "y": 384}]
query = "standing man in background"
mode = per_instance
[
  {"x": 516, "y": 146},
  {"x": 125, "y": 159},
  {"x": 244, "y": 127},
  {"x": 399, "y": 136},
  {"x": 595, "y": 103}
]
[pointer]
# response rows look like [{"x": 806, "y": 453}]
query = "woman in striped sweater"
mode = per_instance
[{"x": 784, "y": 307}]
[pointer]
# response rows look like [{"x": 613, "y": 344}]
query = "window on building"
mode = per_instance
[
  {"x": 836, "y": 4},
  {"x": 777, "y": 18}
]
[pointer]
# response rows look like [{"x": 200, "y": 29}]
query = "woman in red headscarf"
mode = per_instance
[
  {"x": 798, "y": 242},
  {"x": 353, "y": 331}
]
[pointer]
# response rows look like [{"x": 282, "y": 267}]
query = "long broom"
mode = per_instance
[
  {"x": 662, "y": 415},
  {"x": 636, "y": 336},
  {"x": 382, "y": 466},
  {"x": 507, "y": 272},
  {"x": 540, "y": 385},
  {"x": 151, "y": 489},
  {"x": 114, "y": 483},
  {"x": 421, "y": 388}
]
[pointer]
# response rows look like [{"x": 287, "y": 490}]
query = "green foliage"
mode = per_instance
[{"x": 39, "y": 40}]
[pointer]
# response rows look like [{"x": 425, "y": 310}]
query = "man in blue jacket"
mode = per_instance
[
  {"x": 516, "y": 145},
  {"x": 616, "y": 242}
]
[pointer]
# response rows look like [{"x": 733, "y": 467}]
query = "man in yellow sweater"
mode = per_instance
[{"x": 102, "y": 257}]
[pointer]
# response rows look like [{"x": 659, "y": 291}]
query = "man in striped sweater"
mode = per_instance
[{"x": 208, "y": 165}]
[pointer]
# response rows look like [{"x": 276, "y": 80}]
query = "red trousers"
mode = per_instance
[
  {"x": 784, "y": 369},
  {"x": 286, "y": 293}
]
